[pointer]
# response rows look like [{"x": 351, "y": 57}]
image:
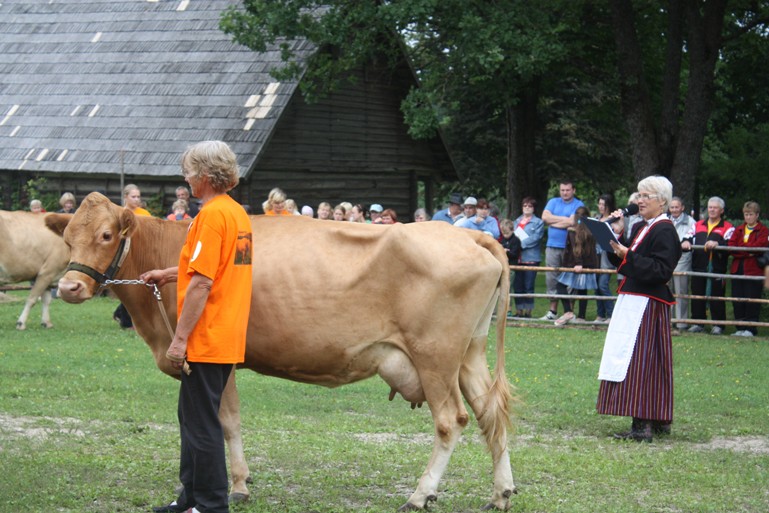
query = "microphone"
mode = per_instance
[{"x": 629, "y": 210}]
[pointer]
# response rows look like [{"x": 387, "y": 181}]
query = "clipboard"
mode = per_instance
[{"x": 602, "y": 232}]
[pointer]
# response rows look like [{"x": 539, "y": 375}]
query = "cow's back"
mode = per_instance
[
  {"x": 27, "y": 246},
  {"x": 324, "y": 290}
]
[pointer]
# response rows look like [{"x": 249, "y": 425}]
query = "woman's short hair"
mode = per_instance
[
  {"x": 482, "y": 203},
  {"x": 213, "y": 160},
  {"x": 658, "y": 185},
  {"x": 67, "y": 196},
  {"x": 506, "y": 224},
  {"x": 752, "y": 206},
  {"x": 528, "y": 200}
]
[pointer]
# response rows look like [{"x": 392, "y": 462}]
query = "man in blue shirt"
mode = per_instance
[
  {"x": 558, "y": 216},
  {"x": 454, "y": 211}
]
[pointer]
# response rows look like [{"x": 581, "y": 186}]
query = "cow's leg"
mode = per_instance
[
  {"x": 229, "y": 415},
  {"x": 450, "y": 418},
  {"x": 45, "y": 304},
  {"x": 493, "y": 416},
  {"x": 39, "y": 288}
]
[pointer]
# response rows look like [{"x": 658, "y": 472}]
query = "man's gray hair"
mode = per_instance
[{"x": 716, "y": 199}]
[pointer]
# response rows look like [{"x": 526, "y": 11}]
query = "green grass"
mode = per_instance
[{"x": 87, "y": 424}]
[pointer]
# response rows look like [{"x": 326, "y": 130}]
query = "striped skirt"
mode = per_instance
[{"x": 647, "y": 392}]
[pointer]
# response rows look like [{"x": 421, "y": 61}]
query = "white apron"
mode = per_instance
[{"x": 621, "y": 337}]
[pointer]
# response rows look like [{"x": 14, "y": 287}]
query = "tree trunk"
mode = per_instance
[
  {"x": 521, "y": 122},
  {"x": 634, "y": 93},
  {"x": 704, "y": 43}
]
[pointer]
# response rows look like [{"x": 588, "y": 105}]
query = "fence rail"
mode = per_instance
[{"x": 704, "y": 322}]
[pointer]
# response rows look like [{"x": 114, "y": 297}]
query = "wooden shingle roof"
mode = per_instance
[{"x": 90, "y": 86}]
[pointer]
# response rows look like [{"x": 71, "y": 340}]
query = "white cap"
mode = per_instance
[
  {"x": 376, "y": 207},
  {"x": 470, "y": 201}
]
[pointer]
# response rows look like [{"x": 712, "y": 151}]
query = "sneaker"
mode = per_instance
[
  {"x": 565, "y": 319},
  {"x": 717, "y": 330},
  {"x": 747, "y": 333},
  {"x": 549, "y": 316},
  {"x": 739, "y": 333},
  {"x": 600, "y": 319},
  {"x": 579, "y": 320},
  {"x": 695, "y": 329}
]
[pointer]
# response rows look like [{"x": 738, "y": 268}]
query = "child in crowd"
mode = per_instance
[
  {"x": 180, "y": 209},
  {"x": 580, "y": 253},
  {"x": 512, "y": 245},
  {"x": 36, "y": 207}
]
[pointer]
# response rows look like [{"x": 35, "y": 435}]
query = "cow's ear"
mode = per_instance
[
  {"x": 57, "y": 222},
  {"x": 127, "y": 223}
]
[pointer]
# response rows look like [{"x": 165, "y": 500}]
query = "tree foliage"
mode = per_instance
[{"x": 604, "y": 93}]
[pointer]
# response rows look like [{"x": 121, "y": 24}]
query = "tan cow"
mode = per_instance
[
  {"x": 424, "y": 296},
  {"x": 29, "y": 251}
]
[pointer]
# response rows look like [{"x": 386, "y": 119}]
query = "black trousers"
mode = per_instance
[
  {"x": 699, "y": 306},
  {"x": 202, "y": 466},
  {"x": 747, "y": 311}
]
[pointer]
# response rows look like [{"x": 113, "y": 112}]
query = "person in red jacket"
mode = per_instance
[
  {"x": 750, "y": 234},
  {"x": 710, "y": 233}
]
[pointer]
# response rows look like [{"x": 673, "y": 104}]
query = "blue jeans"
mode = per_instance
[
  {"x": 604, "y": 308},
  {"x": 523, "y": 283}
]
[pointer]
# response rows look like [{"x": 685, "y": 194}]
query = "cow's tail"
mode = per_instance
[{"x": 496, "y": 417}]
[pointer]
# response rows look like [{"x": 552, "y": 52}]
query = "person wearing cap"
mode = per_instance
[
  {"x": 469, "y": 207},
  {"x": 453, "y": 212},
  {"x": 374, "y": 212},
  {"x": 481, "y": 221}
]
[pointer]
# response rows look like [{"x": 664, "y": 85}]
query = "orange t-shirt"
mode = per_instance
[{"x": 219, "y": 247}]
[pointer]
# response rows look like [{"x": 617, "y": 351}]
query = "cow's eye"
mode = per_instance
[{"x": 106, "y": 236}]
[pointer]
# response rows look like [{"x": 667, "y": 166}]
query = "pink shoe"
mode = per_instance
[{"x": 565, "y": 319}]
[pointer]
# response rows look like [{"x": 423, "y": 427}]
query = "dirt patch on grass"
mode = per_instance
[
  {"x": 38, "y": 428},
  {"x": 745, "y": 444}
]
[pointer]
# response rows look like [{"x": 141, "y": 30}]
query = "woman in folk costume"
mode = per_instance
[{"x": 636, "y": 370}]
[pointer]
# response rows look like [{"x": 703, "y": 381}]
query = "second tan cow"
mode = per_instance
[
  {"x": 424, "y": 296},
  {"x": 30, "y": 252}
]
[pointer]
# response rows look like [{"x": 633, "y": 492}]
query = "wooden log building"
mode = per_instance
[{"x": 97, "y": 94}]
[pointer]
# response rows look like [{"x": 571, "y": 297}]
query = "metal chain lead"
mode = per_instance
[{"x": 156, "y": 290}]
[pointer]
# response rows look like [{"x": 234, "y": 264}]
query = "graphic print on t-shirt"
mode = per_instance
[{"x": 243, "y": 249}]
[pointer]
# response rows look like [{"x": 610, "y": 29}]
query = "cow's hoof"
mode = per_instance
[
  {"x": 409, "y": 506},
  {"x": 20, "y": 326},
  {"x": 46, "y": 325},
  {"x": 505, "y": 504},
  {"x": 238, "y": 497}
]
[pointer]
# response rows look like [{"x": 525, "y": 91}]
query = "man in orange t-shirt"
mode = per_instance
[{"x": 214, "y": 299}]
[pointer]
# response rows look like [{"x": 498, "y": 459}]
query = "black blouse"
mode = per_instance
[{"x": 649, "y": 267}]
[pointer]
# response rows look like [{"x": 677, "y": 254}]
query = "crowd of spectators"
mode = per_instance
[{"x": 567, "y": 244}]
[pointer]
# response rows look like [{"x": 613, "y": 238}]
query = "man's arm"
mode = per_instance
[{"x": 555, "y": 221}]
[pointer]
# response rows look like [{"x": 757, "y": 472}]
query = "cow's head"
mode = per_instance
[{"x": 95, "y": 234}]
